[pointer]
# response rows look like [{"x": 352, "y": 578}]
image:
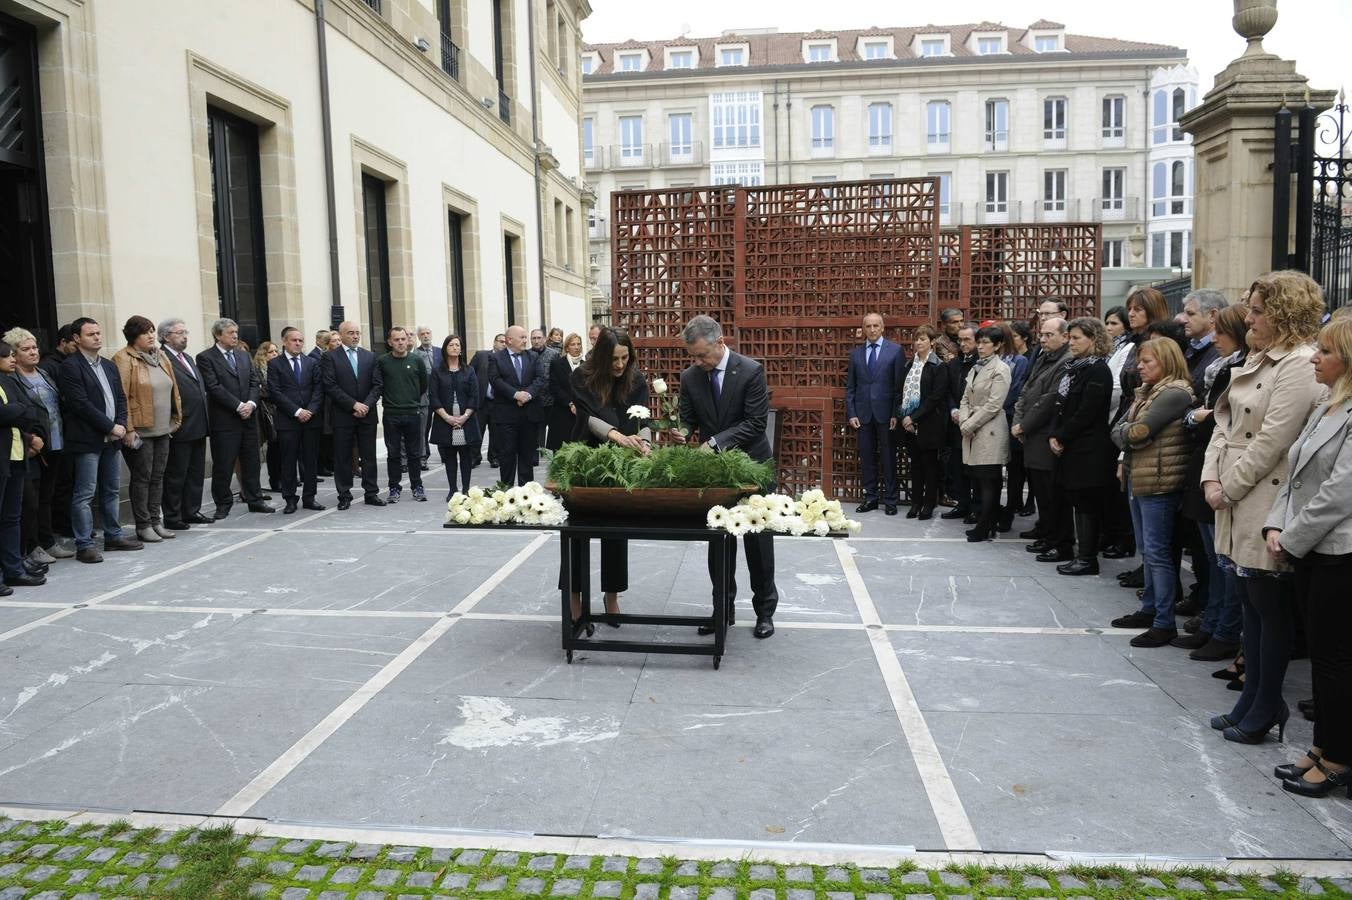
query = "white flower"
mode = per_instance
[
  {"x": 822, "y": 528},
  {"x": 475, "y": 493},
  {"x": 854, "y": 526},
  {"x": 798, "y": 527},
  {"x": 659, "y": 386},
  {"x": 462, "y": 517},
  {"x": 535, "y": 488},
  {"x": 717, "y": 517},
  {"x": 476, "y": 518},
  {"x": 738, "y": 528},
  {"x": 638, "y": 412}
]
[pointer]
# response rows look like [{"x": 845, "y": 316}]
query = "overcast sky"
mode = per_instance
[{"x": 1311, "y": 32}]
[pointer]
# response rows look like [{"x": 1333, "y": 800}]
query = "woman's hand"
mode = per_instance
[
  {"x": 129, "y": 439},
  {"x": 1017, "y": 431},
  {"x": 1274, "y": 544},
  {"x": 1215, "y": 497},
  {"x": 632, "y": 441},
  {"x": 1057, "y": 447},
  {"x": 1200, "y": 415},
  {"x": 908, "y": 424},
  {"x": 1122, "y": 476}
]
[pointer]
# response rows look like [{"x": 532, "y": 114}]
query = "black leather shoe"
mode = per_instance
[
  {"x": 199, "y": 519},
  {"x": 289, "y": 508},
  {"x": 1154, "y": 637},
  {"x": 1133, "y": 579},
  {"x": 262, "y": 508},
  {"x": 1189, "y": 608},
  {"x": 956, "y": 512},
  {"x": 1333, "y": 781},
  {"x": 1193, "y": 625},
  {"x": 175, "y": 526},
  {"x": 220, "y": 513},
  {"x": 1117, "y": 551},
  {"x": 1215, "y": 650},
  {"x": 1079, "y": 567},
  {"x": 1191, "y": 641},
  {"x": 1004, "y": 526},
  {"x": 891, "y": 510},
  {"x": 1031, "y": 534},
  {"x": 912, "y": 512},
  {"x": 1139, "y": 619},
  {"x": 1291, "y": 770},
  {"x": 970, "y": 519},
  {"x": 764, "y": 627},
  {"x": 977, "y": 535},
  {"x": 5, "y": 590},
  {"x": 709, "y": 629},
  {"x": 926, "y": 514},
  {"x": 866, "y": 506},
  {"x": 122, "y": 544},
  {"x": 1040, "y": 546},
  {"x": 27, "y": 580},
  {"x": 310, "y": 504},
  {"x": 326, "y": 473},
  {"x": 1053, "y": 554},
  {"x": 344, "y": 503},
  {"x": 1029, "y": 509},
  {"x": 33, "y": 568},
  {"x": 374, "y": 500}
]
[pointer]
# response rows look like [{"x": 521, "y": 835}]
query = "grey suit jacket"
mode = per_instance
[
  {"x": 738, "y": 419},
  {"x": 1313, "y": 509}
]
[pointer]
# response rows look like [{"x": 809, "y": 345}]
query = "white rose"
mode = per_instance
[
  {"x": 659, "y": 386},
  {"x": 822, "y": 528},
  {"x": 854, "y": 526},
  {"x": 798, "y": 527},
  {"x": 638, "y": 412},
  {"x": 475, "y": 493},
  {"x": 462, "y": 517}
]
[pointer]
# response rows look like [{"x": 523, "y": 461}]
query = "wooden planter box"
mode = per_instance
[{"x": 658, "y": 503}]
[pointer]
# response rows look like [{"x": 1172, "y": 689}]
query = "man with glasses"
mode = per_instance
[
  {"x": 185, "y": 472},
  {"x": 1053, "y": 535},
  {"x": 1049, "y": 309}
]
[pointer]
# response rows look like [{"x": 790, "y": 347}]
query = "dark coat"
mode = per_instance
[
  {"x": 1195, "y": 506},
  {"x": 738, "y": 419},
  {"x": 479, "y": 363},
  {"x": 502, "y": 374},
  {"x": 344, "y": 389},
  {"x": 20, "y": 411},
  {"x": 872, "y": 396},
  {"x": 290, "y": 396},
  {"x": 84, "y": 423},
  {"x": 614, "y": 413},
  {"x": 444, "y": 388},
  {"x": 1036, "y": 408},
  {"x": 227, "y": 390},
  {"x": 1081, "y": 424},
  {"x": 192, "y": 392},
  {"x": 931, "y": 416}
]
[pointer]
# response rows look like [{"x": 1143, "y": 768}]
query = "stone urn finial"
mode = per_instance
[{"x": 1252, "y": 21}]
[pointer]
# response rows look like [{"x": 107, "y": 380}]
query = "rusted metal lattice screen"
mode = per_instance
[{"x": 790, "y": 270}]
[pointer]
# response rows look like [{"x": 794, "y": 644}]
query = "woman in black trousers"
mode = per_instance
[
  {"x": 924, "y": 420},
  {"x": 1311, "y": 522},
  {"x": 605, "y": 386},
  {"x": 452, "y": 396},
  {"x": 563, "y": 414},
  {"x": 1079, "y": 438}
]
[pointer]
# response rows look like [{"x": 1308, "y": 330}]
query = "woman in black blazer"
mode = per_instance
[
  {"x": 19, "y": 437},
  {"x": 562, "y": 414},
  {"x": 452, "y": 397},
  {"x": 923, "y": 414},
  {"x": 604, "y": 388},
  {"x": 1080, "y": 440}
]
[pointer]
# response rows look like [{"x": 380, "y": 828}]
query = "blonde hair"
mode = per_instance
[
  {"x": 260, "y": 358},
  {"x": 1293, "y": 305},
  {"x": 1165, "y": 351},
  {"x": 1336, "y": 339},
  {"x": 16, "y": 336}
]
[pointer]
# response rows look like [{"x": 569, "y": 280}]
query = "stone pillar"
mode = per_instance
[{"x": 1232, "y": 136}]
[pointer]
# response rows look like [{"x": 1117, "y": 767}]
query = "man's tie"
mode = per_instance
[
  {"x": 516, "y": 361},
  {"x": 352, "y": 358},
  {"x": 230, "y": 361},
  {"x": 715, "y": 382},
  {"x": 295, "y": 368},
  {"x": 184, "y": 363},
  {"x": 872, "y": 357}
]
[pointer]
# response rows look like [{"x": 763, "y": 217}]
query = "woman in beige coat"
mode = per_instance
[
  {"x": 1257, "y": 420},
  {"x": 985, "y": 434}
]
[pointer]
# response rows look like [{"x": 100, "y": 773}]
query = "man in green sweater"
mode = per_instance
[{"x": 405, "y": 383}]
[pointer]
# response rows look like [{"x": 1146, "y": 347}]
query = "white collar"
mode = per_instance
[{"x": 723, "y": 363}]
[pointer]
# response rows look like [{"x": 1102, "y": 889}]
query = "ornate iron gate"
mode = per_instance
[{"x": 1323, "y": 198}]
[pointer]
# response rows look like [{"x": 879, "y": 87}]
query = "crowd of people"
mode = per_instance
[{"x": 1223, "y": 433}]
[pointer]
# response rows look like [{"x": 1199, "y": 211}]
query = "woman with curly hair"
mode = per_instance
[{"x": 1257, "y": 421}]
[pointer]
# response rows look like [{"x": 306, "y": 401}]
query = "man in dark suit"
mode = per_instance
[
  {"x": 321, "y": 345},
  {"x": 185, "y": 473},
  {"x": 50, "y": 363},
  {"x": 233, "y": 385},
  {"x": 352, "y": 384},
  {"x": 724, "y": 397},
  {"x": 518, "y": 382},
  {"x": 871, "y": 385},
  {"x": 484, "y": 411},
  {"x": 294, "y": 385},
  {"x": 92, "y": 426}
]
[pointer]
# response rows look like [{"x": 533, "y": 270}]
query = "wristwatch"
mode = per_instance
[{"x": 713, "y": 444}]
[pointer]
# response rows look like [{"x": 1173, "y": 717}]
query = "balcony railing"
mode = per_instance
[
  {"x": 450, "y": 57},
  {"x": 504, "y": 106},
  {"x": 1022, "y": 212},
  {"x": 690, "y": 153}
]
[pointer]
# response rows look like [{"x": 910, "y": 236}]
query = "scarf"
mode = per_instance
[
  {"x": 1213, "y": 369},
  {"x": 1072, "y": 368}
]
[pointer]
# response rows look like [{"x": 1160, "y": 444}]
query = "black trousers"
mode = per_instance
[
  {"x": 517, "y": 445},
  {"x": 486, "y": 427},
  {"x": 877, "y": 448},
  {"x": 1055, "y": 516},
  {"x": 1087, "y": 505},
  {"x": 325, "y": 452},
  {"x": 453, "y": 458},
  {"x": 299, "y": 450},
  {"x": 403, "y": 440},
  {"x": 959, "y": 484},
  {"x": 760, "y": 561},
  {"x": 924, "y": 472},
  {"x": 183, "y": 479},
  {"x": 363, "y": 436},
  {"x": 614, "y": 566},
  {"x": 988, "y": 493},
  {"x": 1116, "y": 515},
  {"x": 227, "y": 448},
  {"x": 1268, "y": 629},
  {"x": 1016, "y": 477},
  {"x": 1322, "y": 581},
  {"x": 61, "y": 491},
  {"x": 37, "y": 503}
]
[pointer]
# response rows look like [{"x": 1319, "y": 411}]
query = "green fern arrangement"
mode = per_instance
[{"x": 609, "y": 465}]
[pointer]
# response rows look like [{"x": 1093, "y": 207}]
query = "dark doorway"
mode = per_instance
[
  {"x": 457, "y": 248},
  {"x": 377, "y": 261},
  {"x": 27, "y": 297},
  {"x": 237, "y": 205},
  {"x": 509, "y": 276}
]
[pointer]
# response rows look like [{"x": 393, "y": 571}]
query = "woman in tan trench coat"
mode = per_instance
[
  {"x": 985, "y": 434},
  {"x": 1257, "y": 420}
]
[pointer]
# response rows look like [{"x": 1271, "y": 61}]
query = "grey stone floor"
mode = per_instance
[{"x": 303, "y": 668}]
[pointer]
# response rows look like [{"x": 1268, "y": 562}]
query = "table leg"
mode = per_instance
[{"x": 721, "y": 557}]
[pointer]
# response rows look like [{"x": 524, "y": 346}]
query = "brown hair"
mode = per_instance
[
  {"x": 1293, "y": 304},
  {"x": 1230, "y": 322},
  {"x": 1097, "y": 331},
  {"x": 135, "y": 327},
  {"x": 260, "y": 358},
  {"x": 1151, "y": 302},
  {"x": 928, "y": 331}
]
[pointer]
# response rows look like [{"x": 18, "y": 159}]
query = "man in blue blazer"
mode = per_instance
[
  {"x": 294, "y": 386},
  {"x": 871, "y": 387},
  {"x": 518, "y": 381},
  {"x": 352, "y": 383}
]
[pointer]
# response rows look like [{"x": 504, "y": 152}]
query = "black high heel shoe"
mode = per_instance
[
  {"x": 579, "y": 625},
  {"x": 1240, "y": 736},
  {"x": 1332, "y": 781},
  {"x": 1220, "y": 723},
  {"x": 1288, "y": 772}
]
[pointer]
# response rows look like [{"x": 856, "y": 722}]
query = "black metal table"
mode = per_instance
[{"x": 582, "y": 531}]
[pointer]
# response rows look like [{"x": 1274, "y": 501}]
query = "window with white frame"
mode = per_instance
[
  {"x": 593, "y": 230},
  {"x": 749, "y": 174},
  {"x": 1178, "y": 106},
  {"x": 823, "y": 130},
  {"x": 1054, "y": 119},
  {"x": 1114, "y": 189},
  {"x": 1159, "y": 117},
  {"x": 1113, "y": 253},
  {"x": 1159, "y": 188},
  {"x": 817, "y": 53},
  {"x": 735, "y": 119},
  {"x": 945, "y": 187},
  {"x": 997, "y": 125},
  {"x": 938, "y": 126},
  {"x": 989, "y": 46},
  {"x": 1054, "y": 190},
  {"x": 631, "y": 140},
  {"x": 1046, "y": 43},
  {"x": 588, "y": 64},
  {"x": 997, "y": 192},
  {"x": 681, "y": 59},
  {"x": 1114, "y": 120},
  {"x": 1178, "y": 188},
  {"x": 631, "y": 62},
  {"x": 732, "y": 56},
  {"x": 588, "y": 142},
  {"x": 875, "y": 50},
  {"x": 880, "y": 127},
  {"x": 932, "y": 47},
  {"x": 1170, "y": 249},
  {"x": 680, "y": 136}
]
